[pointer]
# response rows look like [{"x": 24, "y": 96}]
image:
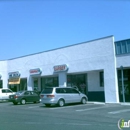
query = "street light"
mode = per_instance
[{"x": 122, "y": 79}]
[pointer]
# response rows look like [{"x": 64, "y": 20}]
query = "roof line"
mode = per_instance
[
  {"x": 122, "y": 40},
  {"x": 61, "y": 47}
]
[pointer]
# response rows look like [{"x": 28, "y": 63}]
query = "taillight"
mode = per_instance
[
  {"x": 15, "y": 96},
  {"x": 42, "y": 96},
  {"x": 51, "y": 96}
]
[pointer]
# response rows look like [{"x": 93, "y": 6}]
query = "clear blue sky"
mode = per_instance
[{"x": 32, "y": 26}]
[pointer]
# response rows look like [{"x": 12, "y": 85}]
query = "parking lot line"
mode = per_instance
[
  {"x": 119, "y": 111},
  {"x": 69, "y": 106},
  {"x": 88, "y": 109},
  {"x": 33, "y": 107}
]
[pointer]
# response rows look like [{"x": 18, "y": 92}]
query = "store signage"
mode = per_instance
[
  {"x": 14, "y": 81},
  {"x": 59, "y": 68},
  {"x": 36, "y": 71},
  {"x": 14, "y": 74}
]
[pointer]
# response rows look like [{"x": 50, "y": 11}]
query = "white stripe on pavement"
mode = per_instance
[
  {"x": 71, "y": 106},
  {"x": 119, "y": 111},
  {"x": 90, "y": 109},
  {"x": 33, "y": 107}
]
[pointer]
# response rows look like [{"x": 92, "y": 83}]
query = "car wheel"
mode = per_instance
[
  {"x": 61, "y": 103},
  {"x": 48, "y": 105},
  {"x": 83, "y": 100},
  {"x": 15, "y": 103},
  {"x": 23, "y": 101}
]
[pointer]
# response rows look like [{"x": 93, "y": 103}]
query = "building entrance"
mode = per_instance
[
  {"x": 19, "y": 87},
  {"x": 126, "y": 73},
  {"x": 78, "y": 81}
]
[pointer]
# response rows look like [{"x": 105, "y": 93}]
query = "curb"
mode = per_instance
[
  {"x": 103, "y": 103},
  {"x": 127, "y": 104},
  {"x": 96, "y": 103}
]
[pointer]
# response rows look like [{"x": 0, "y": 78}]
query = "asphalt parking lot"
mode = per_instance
[{"x": 70, "y": 117}]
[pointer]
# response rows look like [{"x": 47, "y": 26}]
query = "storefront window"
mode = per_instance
[
  {"x": 1, "y": 84},
  {"x": 78, "y": 82},
  {"x": 36, "y": 84},
  {"x": 19, "y": 87},
  {"x": 126, "y": 73},
  {"x": 101, "y": 75},
  {"x": 23, "y": 84},
  {"x": 49, "y": 82}
]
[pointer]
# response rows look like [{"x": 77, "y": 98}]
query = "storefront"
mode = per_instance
[
  {"x": 15, "y": 83},
  {"x": 34, "y": 76}
]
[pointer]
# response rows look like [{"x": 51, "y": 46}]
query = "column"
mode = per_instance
[
  {"x": 111, "y": 86},
  {"x": 30, "y": 83},
  {"x": 62, "y": 79}
]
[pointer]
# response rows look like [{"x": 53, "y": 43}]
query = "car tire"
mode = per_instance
[
  {"x": 83, "y": 100},
  {"x": 61, "y": 103},
  {"x": 15, "y": 103},
  {"x": 47, "y": 105},
  {"x": 23, "y": 101}
]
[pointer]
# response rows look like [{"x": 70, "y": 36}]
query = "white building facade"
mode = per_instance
[{"x": 91, "y": 66}]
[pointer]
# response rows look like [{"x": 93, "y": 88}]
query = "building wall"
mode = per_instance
[
  {"x": 123, "y": 60},
  {"x": 94, "y": 82},
  {"x": 3, "y": 73},
  {"x": 84, "y": 57}
]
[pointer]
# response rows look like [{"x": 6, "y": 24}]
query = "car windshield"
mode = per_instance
[
  {"x": 19, "y": 92},
  {"x": 47, "y": 90}
]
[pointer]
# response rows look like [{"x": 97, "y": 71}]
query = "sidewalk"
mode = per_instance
[{"x": 103, "y": 103}]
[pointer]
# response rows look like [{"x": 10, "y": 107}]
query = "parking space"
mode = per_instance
[
  {"x": 77, "y": 108},
  {"x": 72, "y": 116}
]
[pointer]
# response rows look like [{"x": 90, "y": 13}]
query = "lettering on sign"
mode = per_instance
[
  {"x": 59, "y": 68},
  {"x": 14, "y": 81},
  {"x": 14, "y": 74},
  {"x": 35, "y": 71}
]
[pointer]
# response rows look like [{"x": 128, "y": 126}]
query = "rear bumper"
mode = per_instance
[
  {"x": 48, "y": 101},
  {"x": 14, "y": 100}
]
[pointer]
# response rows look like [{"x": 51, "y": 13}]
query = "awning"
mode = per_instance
[{"x": 14, "y": 81}]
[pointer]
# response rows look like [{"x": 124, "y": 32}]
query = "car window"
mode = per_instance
[
  {"x": 74, "y": 91},
  {"x": 19, "y": 92},
  {"x": 47, "y": 90},
  {"x": 58, "y": 90},
  {"x": 33, "y": 93},
  {"x": 61, "y": 90},
  {"x": 68, "y": 90},
  {"x": 9, "y": 91},
  {"x": 27, "y": 93},
  {"x": 3, "y": 90}
]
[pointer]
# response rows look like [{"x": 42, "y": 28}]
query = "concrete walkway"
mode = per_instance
[{"x": 103, "y": 103}]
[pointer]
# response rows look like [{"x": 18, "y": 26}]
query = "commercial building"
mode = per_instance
[{"x": 94, "y": 67}]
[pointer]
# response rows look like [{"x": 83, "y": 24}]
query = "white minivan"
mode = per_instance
[
  {"x": 4, "y": 93},
  {"x": 61, "y": 96}
]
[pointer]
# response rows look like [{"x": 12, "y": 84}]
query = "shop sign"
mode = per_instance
[
  {"x": 36, "y": 71},
  {"x": 14, "y": 74},
  {"x": 14, "y": 81},
  {"x": 59, "y": 68}
]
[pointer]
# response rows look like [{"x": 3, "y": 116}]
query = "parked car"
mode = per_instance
[
  {"x": 61, "y": 96},
  {"x": 4, "y": 93},
  {"x": 24, "y": 96}
]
